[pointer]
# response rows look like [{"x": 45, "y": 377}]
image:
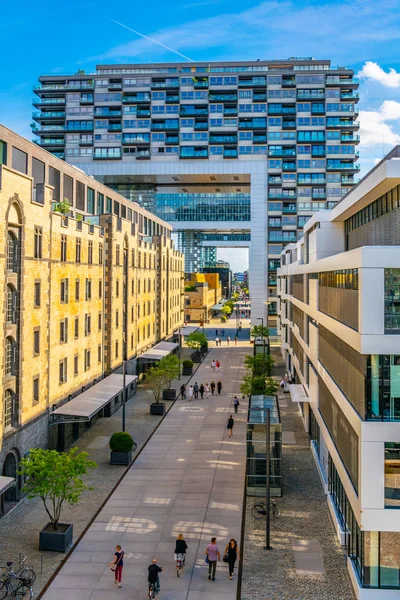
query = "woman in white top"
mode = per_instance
[
  {"x": 207, "y": 390},
  {"x": 190, "y": 393},
  {"x": 213, "y": 364}
]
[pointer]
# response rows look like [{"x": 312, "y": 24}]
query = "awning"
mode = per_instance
[
  {"x": 91, "y": 401},
  {"x": 187, "y": 330},
  {"x": 159, "y": 351},
  {"x": 218, "y": 306},
  {"x": 6, "y": 483},
  {"x": 297, "y": 393}
]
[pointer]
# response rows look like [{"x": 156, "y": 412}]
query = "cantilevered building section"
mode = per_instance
[
  {"x": 239, "y": 152},
  {"x": 339, "y": 310}
]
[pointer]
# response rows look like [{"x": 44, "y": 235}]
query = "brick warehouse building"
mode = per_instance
[{"x": 80, "y": 293}]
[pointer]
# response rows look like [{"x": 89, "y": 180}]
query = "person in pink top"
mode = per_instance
[{"x": 213, "y": 555}]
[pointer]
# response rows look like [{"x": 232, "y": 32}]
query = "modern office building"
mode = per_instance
[
  {"x": 231, "y": 154},
  {"x": 339, "y": 290},
  {"x": 225, "y": 275},
  {"x": 82, "y": 291}
]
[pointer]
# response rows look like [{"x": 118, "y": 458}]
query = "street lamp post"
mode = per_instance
[
  {"x": 267, "y": 482},
  {"x": 179, "y": 351},
  {"x": 123, "y": 394},
  {"x": 262, "y": 329}
]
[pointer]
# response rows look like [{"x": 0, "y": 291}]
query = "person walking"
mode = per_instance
[
  {"x": 231, "y": 554},
  {"x": 117, "y": 565},
  {"x": 223, "y": 332},
  {"x": 219, "y": 387},
  {"x": 183, "y": 391},
  {"x": 236, "y": 340},
  {"x": 230, "y": 425},
  {"x": 220, "y": 342},
  {"x": 228, "y": 339},
  {"x": 212, "y": 387},
  {"x": 213, "y": 364},
  {"x": 216, "y": 332},
  {"x": 217, "y": 365},
  {"x": 201, "y": 390},
  {"x": 196, "y": 390},
  {"x": 207, "y": 389},
  {"x": 190, "y": 393},
  {"x": 236, "y": 404},
  {"x": 213, "y": 555}
]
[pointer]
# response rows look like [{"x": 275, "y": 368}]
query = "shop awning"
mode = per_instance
[
  {"x": 91, "y": 401},
  {"x": 187, "y": 330},
  {"x": 218, "y": 306},
  {"x": 297, "y": 393},
  {"x": 6, "y": 483},
  {"x": 159, "y": 351}
]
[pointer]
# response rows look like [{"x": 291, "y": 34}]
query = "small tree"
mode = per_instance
[
  {"x": 196, "y": 340},
  {"x": 55, "y": 478},
  {"x": 259, "y": 331},
  {"x": 155, "y": 378},
  {"x": 63, "y": 207},
  {"x": 259, "y": 364},
  {"x": 271, "y": 387},
  {"x": 171, "y": 367},
  {"x": 226, "y": 310},
  {"x": 258, "y": 386}
]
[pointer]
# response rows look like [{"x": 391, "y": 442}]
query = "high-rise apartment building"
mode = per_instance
[
  {"x": 82, "y": 292},
  {"x": 339, "y": 291},
  {"x": 231, "y": 154}
]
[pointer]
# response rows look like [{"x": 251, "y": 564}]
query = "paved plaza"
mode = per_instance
[{"x": 188, "y": 479}]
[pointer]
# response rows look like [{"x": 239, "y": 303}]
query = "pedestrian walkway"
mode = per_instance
[
  {"x": 306, "y": 561},
  {"x": 188, "y": 479}
]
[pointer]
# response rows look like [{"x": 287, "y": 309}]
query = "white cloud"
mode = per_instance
[
  {"x": 372, "y": 71},
  {"x": 374, "y": 129}
]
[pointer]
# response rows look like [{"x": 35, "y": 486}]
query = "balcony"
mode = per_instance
[
  {"x": 259, "y": 139},
  {"x": 129, "y": 138},
  {"x": 100, "y": 113},
  {"x": 289, "y": 125},
  {"x": 193, "y": 152},
  {"x": 71, "y": 126},
  {"x": 342, "y": 166},
  {"x": 143, "y": 112},
  {"x": 165, "y": 84},
  {"x": 257, "y": 123},
  {"x": 280, "y": 194},
  {"x": 172, "y": 99},
  {"x": 54, "y": 87},
  {"x": 38, "y": 102},
  {"x": 341, "y": 123},
  {"x": 336, "y": 79},
  {"x": 230, "y": 112},
  {"x": 253, "y": 82},
  {"x": 289, "y": 209},
  {"x": 318, "y": 195},
  {"x": 288, "y": 166},
  {"x": 273, "y": 180},
  {"x": 350, "y": 96},
  {"x": 257, "y": 97},
  {"x": 230, "y": 153},
  {"x": 288, "y": 81},
  {"x": 172, "y": 140},
  {"x": 200, "y": 83},
  {"x": 45, "y": 116},
  {"x": 217, "y": 97},
  {"x": 117, "y": 86},
  {"x": 201, "y": 125},
  {"x": 142, "y": 154},
  {"x": 136, "y": 98},
  {"x": 57, "y": 128},
  {"x": 163, "y": 126},
  {"x": 222, "y": 139},
  {"x": 50, "y": 142},
  {"x": 349, "y": 180},
  {"x": 282, "y": 152},
  {"x": 194, "y": 111},
  {"x": 350, "y": 138}
]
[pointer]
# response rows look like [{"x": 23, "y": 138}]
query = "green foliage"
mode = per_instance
[
  {"x": 196, "y": 340},
  {"x": 63, "y": 207},
  {"x": 155, "y": 379},
  {"x": 80, "y": 72},
  {"x": 55, "y": 478},
  {"x": 223, "y": 319},
  {"x": 187, "y": 363},
  {"x": 259, "y": 331},
  {"x": 259, "y": 365},
  {"x": 190, "y": 288},
  {"x": 79, "y": 217},
  {"x": 226, "y": 310},
  {"x": 258, "y": 386},
  {"x": 121, "y": 441},
  {"x": 270, "y": 387},
  {"x": 171, "y": 367}
]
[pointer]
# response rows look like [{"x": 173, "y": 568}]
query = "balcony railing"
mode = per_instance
[
  {"x": 49, "y": 115},
  {"x": 341, "y": 166}
]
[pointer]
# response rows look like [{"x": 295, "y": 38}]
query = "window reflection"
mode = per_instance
[
  {"x": 392, "y": 475},
  {"x": 392, "y": 301}
]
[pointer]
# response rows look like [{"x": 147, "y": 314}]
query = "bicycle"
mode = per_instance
[
  {"x": 22, "y": 591},
  {"x": 153, "y": 590},
  {"x": 180, "y": 561},
  {"x": 259, "y": 510},
  {"x": 23, "y": 572}
]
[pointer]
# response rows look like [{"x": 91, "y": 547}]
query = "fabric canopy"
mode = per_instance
[
  {"x": 297, "y": 393},
  {"x": 159, "y": 351}
]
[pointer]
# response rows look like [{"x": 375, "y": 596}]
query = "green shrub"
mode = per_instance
[
  {"x": 187, "y": 363},
  {"x": 121, "y": 441},
  {"x": 223, "y": 319}
]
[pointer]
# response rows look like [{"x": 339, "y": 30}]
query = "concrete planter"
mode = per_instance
[
  {"x": 157, "y": 408},
  {"x": 56, "y": 540},
  {"x": 121, "y": 458},
  {"x": 187, "y": 371},
  {"x": 196, "y": 357},
  {"x": 169, "y": 394}
]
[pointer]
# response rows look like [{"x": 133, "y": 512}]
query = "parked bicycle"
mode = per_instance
[
  {"x": 23, "y": 572},
  {"x": 260, "y": 510},
  {"x": 15, "y": 587}
]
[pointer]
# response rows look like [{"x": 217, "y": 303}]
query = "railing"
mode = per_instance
[{"x": 49, "y": 115}]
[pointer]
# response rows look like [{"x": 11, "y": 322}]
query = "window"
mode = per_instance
[
  {"x": 37, "y": 248},
  {"x": 87, "y": 360},
  {"x": 132, "y": 342},
  {"x": 77, "y": 289},
  {"x": 88, "y": 289},
  {"x": 132, "y": 314},
  {"x": 36, "y": 341},
  {"x": 117, "y": 319},
  {"x": 11, "y": 304},
  {"x": 78, "y": 249},
  {"x": 35, "y": 391},
  {"x": 100, "y": 254},
  {"x": 19, "y": 160},
  {"x": 63, "y": 370},
  {"x": 9, "y": 410},
  {"x": 88, "y": 324},
  {"x": 11, "y": 356},
  {"x": 132, "y": 287},
  {"x": 36, "y": 300},
  {"x": 99, "y": 321},
  {"x": 132, "y": 258},
  {"x": 64, "y": 291},
  {"x": 392, "y": 472},
  {"x": 392, "y": 301},
  {"x": 64, "y": 331},
  {"x": 116, "y": 349},
  {"x": 90, "y": 253},
  {"x": 63, "y": 248},
  {"x": 117, "y": 288},
  {"x": 99, "y": 353},
  {"x": 100, "y": 288},
  {"x": 76, "y": 328},
  {"x": 76, "y": 365},
  {"x": 90, "y": 201},
  {"x": 117, "y": 252}
]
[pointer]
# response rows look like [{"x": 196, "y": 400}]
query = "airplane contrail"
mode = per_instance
[{"x": 146, "y": 37}]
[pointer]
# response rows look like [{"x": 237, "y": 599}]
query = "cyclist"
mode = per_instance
[
  {"x": 180, "y": 550},
  {"x": 153, "y": 577}
]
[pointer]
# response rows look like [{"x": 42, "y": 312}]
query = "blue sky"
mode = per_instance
[{"x": 57, "y": 38}]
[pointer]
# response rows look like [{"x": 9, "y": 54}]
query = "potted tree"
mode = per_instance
[
  {"x": 155, "y": 378},
  {"x": 55, "y": 477},
  {"x": 197, "y": 341},
  {"x": 172, "y": 367},
  {"x": 64, "y": 208},
  {"x": 187, "y": 367},
  {"x": 122, "y": 446}
]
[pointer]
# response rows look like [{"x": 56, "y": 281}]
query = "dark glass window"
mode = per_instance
[
  {"x": 392, "y": 301},
  {"x": 19, "y": 160}
]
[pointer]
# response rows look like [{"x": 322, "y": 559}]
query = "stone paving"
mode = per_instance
[
  {"x": 272, "y": 575},
  {"x": 19, "y": 529},
  {"x": 188, "y": 479}
]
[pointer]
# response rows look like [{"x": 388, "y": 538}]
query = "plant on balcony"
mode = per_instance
[
  {"x": 63, "y": 207},
  {"x": 190, "y": 288},
  {"x": 79, "y": 217}
]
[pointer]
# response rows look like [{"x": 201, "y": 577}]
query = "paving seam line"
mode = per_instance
[{"x": 94, "y": 517}]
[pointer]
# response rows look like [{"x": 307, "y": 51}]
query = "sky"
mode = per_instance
[{"x": 60, "y": 38}]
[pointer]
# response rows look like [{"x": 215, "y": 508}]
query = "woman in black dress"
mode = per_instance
[{"x": 231, "y": 554}]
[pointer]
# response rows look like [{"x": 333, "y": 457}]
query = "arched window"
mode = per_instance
[
  {"x": 10, "y": 356},
  {"x": 11, "y": 304},
  {"x": 12, "y": 252}
]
